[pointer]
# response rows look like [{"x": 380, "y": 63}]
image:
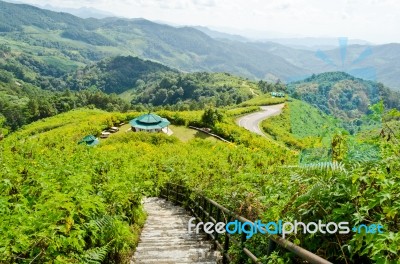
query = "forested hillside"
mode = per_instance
[
  {"x": 44, "y": 32},
  {"x": 31, "y": 90},
  {"x": 343, "y": 95},
  {"x": 149, "y": 83},
  {"x": 67, "y": 41}
]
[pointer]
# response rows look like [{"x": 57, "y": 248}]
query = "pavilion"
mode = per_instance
[
  {"x": 89, "y": 140},
  {"x": 149, "y": 123}
]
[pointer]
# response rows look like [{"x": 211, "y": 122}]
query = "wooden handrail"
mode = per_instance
[{"x": 174, "y": 192}]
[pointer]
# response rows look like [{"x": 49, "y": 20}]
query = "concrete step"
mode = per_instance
[{"x": 165, "y": 238}]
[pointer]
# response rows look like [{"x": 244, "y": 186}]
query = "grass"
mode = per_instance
[
  {"x": 185, "y": 134},
  {"x": 261, "y": 100},
  {"x": 300, "y": 125}
]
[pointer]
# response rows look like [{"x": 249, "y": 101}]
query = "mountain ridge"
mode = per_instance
[{"x": 79, "y": 41}]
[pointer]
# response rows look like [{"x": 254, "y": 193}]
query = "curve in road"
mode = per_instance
[{"x": 252, "y": 121}]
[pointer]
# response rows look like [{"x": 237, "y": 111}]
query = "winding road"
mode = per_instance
[{"x": 252, "y": 121}]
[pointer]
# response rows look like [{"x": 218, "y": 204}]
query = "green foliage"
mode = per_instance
[
  {"x": 77, "y": 204},
  {"x": 115, "y": 75},
  {"x": 74, "y": 203},
  {"x": 342, "y": 95},
  {"x": 22, "y": 103},
  {"x": 149, "y": 83},
  {"x": 65, "y": 203},
  {"x": 238, "y": 111},
  {"x": 211, "y": 117},
  {"x": 301, "y": 125},
  {"x": 264, "y": 99},
  {"x": 86, "y": 36}
]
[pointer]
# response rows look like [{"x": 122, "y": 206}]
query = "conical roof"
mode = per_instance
[
  {"x": 149, "y": 119},
  {"x": 89, "y": 140}
]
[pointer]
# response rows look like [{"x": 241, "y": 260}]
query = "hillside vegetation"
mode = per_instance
[
  {"x": 76, "y": 204},
  {"x": 301, "y": 126},
  {"x": 31, "y": 90},
  {"x": 343, "y": 95},
  {"x": 73, "y": 204},
  {"x": 70, "y": 41},
  {"x": 331, "y": 155},
  {"x": 149, "y": 83}
]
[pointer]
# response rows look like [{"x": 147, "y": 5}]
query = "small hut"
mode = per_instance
[{"x": 89, "y": 140}]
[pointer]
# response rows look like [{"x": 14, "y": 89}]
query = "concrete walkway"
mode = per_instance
[
  {"x": 168, "y": 131},
  {"x": 165, "y": 238}
]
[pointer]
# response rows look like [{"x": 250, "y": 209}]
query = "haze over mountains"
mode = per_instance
[{"x": 72, "y": 41}]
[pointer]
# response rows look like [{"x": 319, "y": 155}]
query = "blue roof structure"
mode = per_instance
[
  {"x": 149, "y": 121},
  {"x": 89, "y": 140}
]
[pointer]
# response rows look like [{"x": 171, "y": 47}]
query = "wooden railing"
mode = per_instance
[{"x": 207, "y": 210}]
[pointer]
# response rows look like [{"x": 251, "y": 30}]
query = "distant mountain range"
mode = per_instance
[
  {"x": 314, "y": 43},
  {"x": 66, "y": 41},
  {"x": 83, "y": 12}
]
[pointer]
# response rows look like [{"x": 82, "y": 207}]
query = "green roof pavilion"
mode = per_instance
[
  {"x": 89, "y": 140},
  {"x": 149, "y": 122}
]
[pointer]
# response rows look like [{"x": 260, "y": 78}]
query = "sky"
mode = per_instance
[{"x": 377, "y": 21}]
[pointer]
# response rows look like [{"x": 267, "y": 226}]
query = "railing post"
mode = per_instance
[
  {"x": 226, "y": 249},
  {"x": 167, "y": 191},
  {"x": 242, "y": 257},
  {"x": 271, "y": 247},
  {"x": 187, "y": 198},
  {"x": 200, "y": 209},
  {"x": 197, "y": 202},
  {"x": 176, "y": 194},
  {"x": 204, "y": 209},
  {"x": 209, "y": 211},
  {"x": 217, "y": 218}
]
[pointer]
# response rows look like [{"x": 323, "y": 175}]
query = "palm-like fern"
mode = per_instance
[
  {"x": 96, "y": 255},
  {"x": 325, "y": 166}
]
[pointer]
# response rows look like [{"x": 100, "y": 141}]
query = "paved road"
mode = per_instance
[{"x": 252, "y": 121}]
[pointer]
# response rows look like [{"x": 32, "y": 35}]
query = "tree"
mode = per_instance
[
  {"x": 211, "y": 117},
  {"x": 2, "y": 121},
  {"x": 32, "y": 110}
]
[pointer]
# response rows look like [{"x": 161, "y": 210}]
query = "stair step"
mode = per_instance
[{"x": 165, "y": 238}]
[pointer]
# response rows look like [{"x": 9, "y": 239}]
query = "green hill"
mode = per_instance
[
  {"x": 343, "y": 95},
  {"x": 70, "y": 41},
  {"x": 83, "y": 40},
  {"x": 115, "y": 75},
  {"x": 301, "y": 126},
  {"x": 150, "y": 83}
]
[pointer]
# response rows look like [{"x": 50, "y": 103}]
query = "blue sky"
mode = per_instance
[{"x": 371, "y": 20}]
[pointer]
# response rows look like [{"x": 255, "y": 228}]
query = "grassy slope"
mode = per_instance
[
  {"x": 264, "y": 99},
  {"x": 185, "y": 134},
  {"x": 300, "y": 125},
  {"x": 107, "y": 180}
]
